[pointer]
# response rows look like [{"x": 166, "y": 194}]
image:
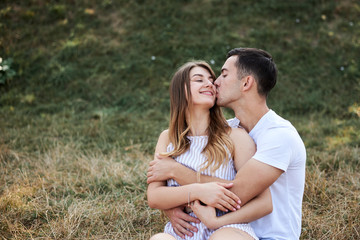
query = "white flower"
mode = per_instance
[
  {"x": 0, "y": 68},
  {"x": 5, "y": 67},
  {"x": 153, "y": 58},
  {"x": 0, "y": 60},
  {"x": 212, "y": 61}
]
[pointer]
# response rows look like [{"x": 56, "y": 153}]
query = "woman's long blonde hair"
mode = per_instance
[{"x": 219, "y": 144}]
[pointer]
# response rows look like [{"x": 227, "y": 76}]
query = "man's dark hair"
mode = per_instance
[{"x": 256, "y": 62}]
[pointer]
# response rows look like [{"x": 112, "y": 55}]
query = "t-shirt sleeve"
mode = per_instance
[
  {"x": 274, "y": 148},
  {"x": 233, "y": 122}
]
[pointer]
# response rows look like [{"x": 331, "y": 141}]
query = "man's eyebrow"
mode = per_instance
[{"x": 223, "y": 69}]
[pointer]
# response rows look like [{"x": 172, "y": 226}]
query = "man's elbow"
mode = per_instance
[{"x": 269, "y": 209}]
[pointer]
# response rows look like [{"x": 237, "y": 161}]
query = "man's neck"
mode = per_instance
[{"x": 249, "y": 115}]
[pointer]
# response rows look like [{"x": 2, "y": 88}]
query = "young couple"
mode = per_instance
[{"x": 208, "y": 175}]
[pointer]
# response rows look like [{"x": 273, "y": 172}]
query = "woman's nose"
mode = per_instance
[{"x": 208, "y": 83}]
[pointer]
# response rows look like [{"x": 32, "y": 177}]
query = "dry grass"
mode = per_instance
[
  {"x": 63, "y": 193},
  {"x": 331, "y": 207}
]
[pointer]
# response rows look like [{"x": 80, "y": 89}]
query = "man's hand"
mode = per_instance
[
  {"x": 160, "y": 169},
  {"x": 181, "y": 222},
  {"x": 217, "y": 195}
]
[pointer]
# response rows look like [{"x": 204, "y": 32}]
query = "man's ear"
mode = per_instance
[{"x": 248, "y": 82}]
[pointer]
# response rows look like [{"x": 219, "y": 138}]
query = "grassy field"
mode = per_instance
[{"x": 80, "y": 118}]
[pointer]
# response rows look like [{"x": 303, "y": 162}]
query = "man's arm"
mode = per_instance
[
  {"x": 253, "y": 178},
  {"x": 164, "y": 168},
  {"x": 258, "y": 207}
]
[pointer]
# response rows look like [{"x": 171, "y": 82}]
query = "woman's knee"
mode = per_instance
[
  {"x": 162, "y": 236},
  {"x": 230, "y": 234}
]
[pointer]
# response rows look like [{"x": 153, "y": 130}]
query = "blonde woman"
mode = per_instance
[{"x": 200, "y": 138}]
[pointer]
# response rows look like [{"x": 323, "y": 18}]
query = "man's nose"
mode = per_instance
[{"x": 217, "y": 81}]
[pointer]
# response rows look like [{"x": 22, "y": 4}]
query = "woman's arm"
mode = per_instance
[
  {"x": 244, "y": 147},
  {"x": 161, "y": 146},
  {"x": 162, "y": 197}
]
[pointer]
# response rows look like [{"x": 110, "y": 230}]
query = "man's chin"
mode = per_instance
[{"x": 219, "y": 103}]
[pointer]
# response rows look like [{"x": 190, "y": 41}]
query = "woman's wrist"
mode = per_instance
[
  {"x": 215, "y": 222},
  {"x": 219, "y": 221},
  {"x": 194, "y": 192}
]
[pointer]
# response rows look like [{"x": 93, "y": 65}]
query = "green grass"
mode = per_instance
[{"x": 79, "y": 121}]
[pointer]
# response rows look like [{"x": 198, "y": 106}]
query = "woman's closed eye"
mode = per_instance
[
  {"x": 203, "y": 80},
  {"x": 197, "y": 80}
]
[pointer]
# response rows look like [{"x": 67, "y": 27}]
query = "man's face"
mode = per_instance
[{"x": 228, "y": 84}]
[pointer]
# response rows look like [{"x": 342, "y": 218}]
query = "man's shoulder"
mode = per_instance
[
  {"x": 275, "y": 129},
  {"x": 275, "y": 124}
]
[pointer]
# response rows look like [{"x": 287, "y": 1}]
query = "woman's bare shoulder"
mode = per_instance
[
  {"x": 239, "y": 136},
  {"x": 239, "y": 133},
  {"x": 164, "y": 136},
  {"x": 165, "y": 132}
]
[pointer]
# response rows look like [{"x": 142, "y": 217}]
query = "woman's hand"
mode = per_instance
[
  {"x": 206, "y": 214},
  {"x": 160, "y": 169},
  {"x": 216, "y": 194}
]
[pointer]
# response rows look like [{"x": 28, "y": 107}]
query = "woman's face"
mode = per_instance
[{"x": 202, "y": 88}]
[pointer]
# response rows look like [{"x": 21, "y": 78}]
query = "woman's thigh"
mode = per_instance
[
  {"x": 230, "y": 234},
  {"x": 162, "y": 236}
]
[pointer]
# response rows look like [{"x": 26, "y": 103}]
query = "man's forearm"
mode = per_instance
[{"x": 184, "y": 175}]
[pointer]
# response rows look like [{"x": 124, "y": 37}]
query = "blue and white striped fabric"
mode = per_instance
[{"x": 194, "y": 159}]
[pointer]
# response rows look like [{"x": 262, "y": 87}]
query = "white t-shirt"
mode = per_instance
[{"x": 279, "y": 145}]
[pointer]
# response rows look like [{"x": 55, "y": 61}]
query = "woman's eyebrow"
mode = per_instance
[{"x": 197, "y": 74}]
